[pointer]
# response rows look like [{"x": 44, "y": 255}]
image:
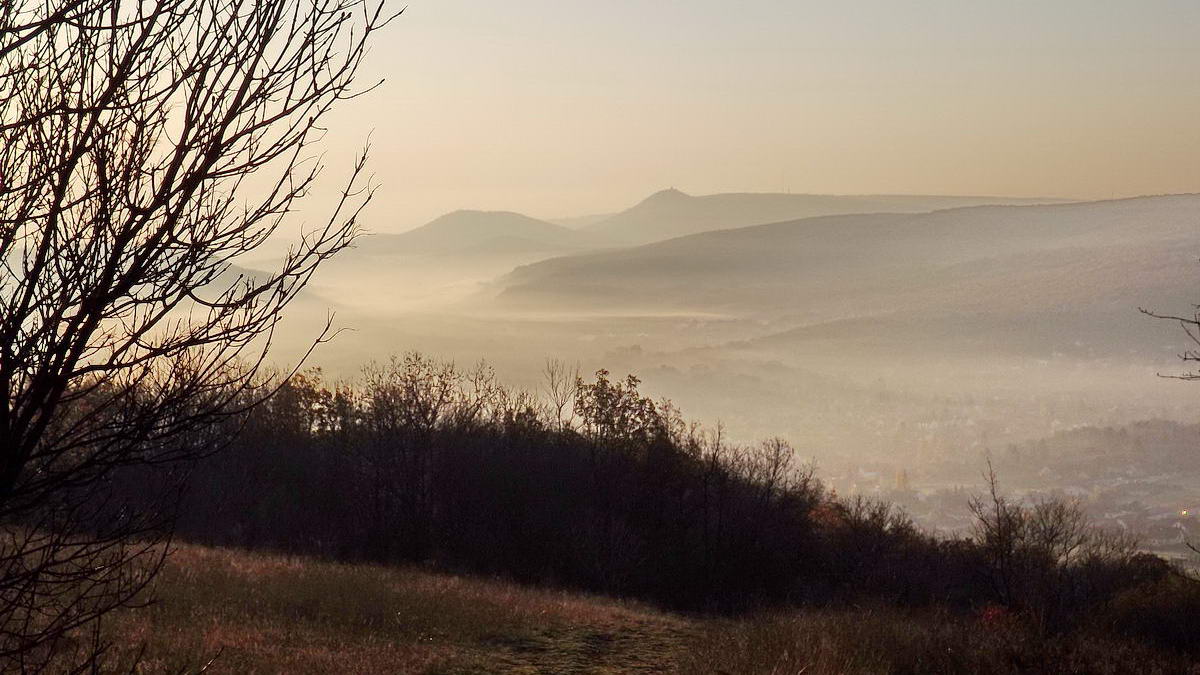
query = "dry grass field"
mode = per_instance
[
  {"x": 257, "y": 613},
  {"x": 260, "y": 613},
  {"x": 871, "y": 641}
]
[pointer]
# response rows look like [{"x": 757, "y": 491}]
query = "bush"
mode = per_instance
[{"x": 1162, "y": 612}]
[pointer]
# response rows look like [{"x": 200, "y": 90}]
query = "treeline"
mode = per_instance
[
  {"x": 591, "y": 485},
  {"x": 1152, "y": 446}
]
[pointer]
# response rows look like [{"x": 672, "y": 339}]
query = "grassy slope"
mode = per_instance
[
  {"x": 270, "y": 614},
  {"x": 264, "y": 614}
]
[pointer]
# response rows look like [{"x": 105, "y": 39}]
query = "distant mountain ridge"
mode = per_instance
[
  {"x": 672, "y": 213},
  {"x": 663, "y": 215},
  {"x": 474, "y": 231},
  {"x": 1055, "y": 268}
]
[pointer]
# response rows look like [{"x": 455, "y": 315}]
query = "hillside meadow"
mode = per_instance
[{"x": 230, "y": 611}]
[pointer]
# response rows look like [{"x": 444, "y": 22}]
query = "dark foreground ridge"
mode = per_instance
[{"x": 603, "y": 490}]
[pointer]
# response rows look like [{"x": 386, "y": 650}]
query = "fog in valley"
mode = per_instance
[
  {"x": 688, "y": 337},
  {"x": 898, "y": 342}
]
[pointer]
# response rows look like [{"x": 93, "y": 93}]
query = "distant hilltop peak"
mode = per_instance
[
  {"x": 475, "y": 230},
  {"x": 668, "y": 194},
  {"x": 474, "y": 213}
]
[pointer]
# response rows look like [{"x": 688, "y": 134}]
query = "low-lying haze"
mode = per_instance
[{"x": 903, "y": 236}]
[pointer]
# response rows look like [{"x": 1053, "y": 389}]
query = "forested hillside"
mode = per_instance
[{"x": 592, "y": 486}]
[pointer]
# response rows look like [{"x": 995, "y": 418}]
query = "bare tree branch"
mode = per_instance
[{"x": 145, "y": 147}]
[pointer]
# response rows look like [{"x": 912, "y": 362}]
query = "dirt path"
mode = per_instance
[{"x": 652, "y": 644}]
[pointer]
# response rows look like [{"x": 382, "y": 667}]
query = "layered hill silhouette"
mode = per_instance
[
  {"x": 444, "y": 259},
  {"x": 663, "y": 215},
  {"x": 1028, "y": 276},
  {"x": 482, "y": 231},
  {"x": 672, "y": 213}
]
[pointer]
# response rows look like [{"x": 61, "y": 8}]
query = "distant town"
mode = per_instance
[{"x": 1140, "y": 479}]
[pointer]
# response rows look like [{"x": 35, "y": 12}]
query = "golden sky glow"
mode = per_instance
[{"x": 564, "y": 108}]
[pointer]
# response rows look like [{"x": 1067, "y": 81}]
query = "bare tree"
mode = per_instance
[
  {"x": 560, "y": 382},
  {"x": 1045, "y": 556},
  {"x": 144, "y": 146},
  {"x": 1191, "y": 328}
]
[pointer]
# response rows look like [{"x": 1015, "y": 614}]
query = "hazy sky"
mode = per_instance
[{"x": 560, "y": 108}]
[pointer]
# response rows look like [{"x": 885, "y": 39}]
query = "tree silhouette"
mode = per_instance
[{"x": 144, "y": 147}]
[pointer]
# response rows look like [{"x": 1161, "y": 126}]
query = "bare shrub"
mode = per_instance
[{"x": 1045, "y": 558}]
